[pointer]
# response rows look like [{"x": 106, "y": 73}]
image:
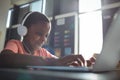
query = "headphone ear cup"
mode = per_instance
[{"x": 22, "y": 30}]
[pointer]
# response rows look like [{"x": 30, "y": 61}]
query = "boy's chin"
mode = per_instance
[{"x": 39, "y": 46}]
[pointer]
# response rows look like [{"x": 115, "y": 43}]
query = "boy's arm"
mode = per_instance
[{"x": 10, "y": 59}]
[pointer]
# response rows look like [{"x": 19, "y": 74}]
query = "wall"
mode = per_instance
[
  {"x": 68, "y": 6},
  {"x": 57, "y": 7},
  {"x": 4, "y": 7}
]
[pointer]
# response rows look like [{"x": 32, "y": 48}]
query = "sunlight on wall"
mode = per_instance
[
  {"x": 8, "y": 20},
  {"x": 90, "y": 29}
]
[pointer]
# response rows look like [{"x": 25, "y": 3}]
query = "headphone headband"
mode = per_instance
[{"x": 26, "y": 18}]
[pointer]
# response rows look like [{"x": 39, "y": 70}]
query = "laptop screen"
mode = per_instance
[{"x": 110, "y": 54}]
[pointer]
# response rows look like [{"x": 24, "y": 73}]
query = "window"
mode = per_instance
[
  {"x": 90, "y": 27},
  {"x": 38, "y": 6},
  {"x": 33, "y": 6}
]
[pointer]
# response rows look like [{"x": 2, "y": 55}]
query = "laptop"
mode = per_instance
[
  {"x": 110, "y": 53},
  {"x": 107, "y": 59}
]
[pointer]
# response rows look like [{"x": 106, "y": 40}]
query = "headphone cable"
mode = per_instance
[{"x": 26, "y": 48}]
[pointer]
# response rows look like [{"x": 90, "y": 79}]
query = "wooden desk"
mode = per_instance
[{"x": 24, "y": 74}]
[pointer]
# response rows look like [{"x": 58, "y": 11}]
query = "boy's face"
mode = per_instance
[{"x": 38, "y": 34}]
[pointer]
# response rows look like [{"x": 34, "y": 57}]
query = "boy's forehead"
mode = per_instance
[
  {"x": 41, "y": 24},
  {"x": 41, "y": 27}
]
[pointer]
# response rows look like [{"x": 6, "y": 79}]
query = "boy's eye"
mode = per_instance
[
  {"x": 46, "y": 36},
  {"x": 39, "y": 34}
]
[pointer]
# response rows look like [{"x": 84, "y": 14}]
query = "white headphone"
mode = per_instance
[{"x": 22, "y": 30}]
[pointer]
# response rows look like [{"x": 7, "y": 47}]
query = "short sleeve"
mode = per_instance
[{"x": 11, "y": 45}]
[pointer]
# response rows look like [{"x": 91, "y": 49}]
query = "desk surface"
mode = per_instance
[{"x": 24, "y": 74}]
